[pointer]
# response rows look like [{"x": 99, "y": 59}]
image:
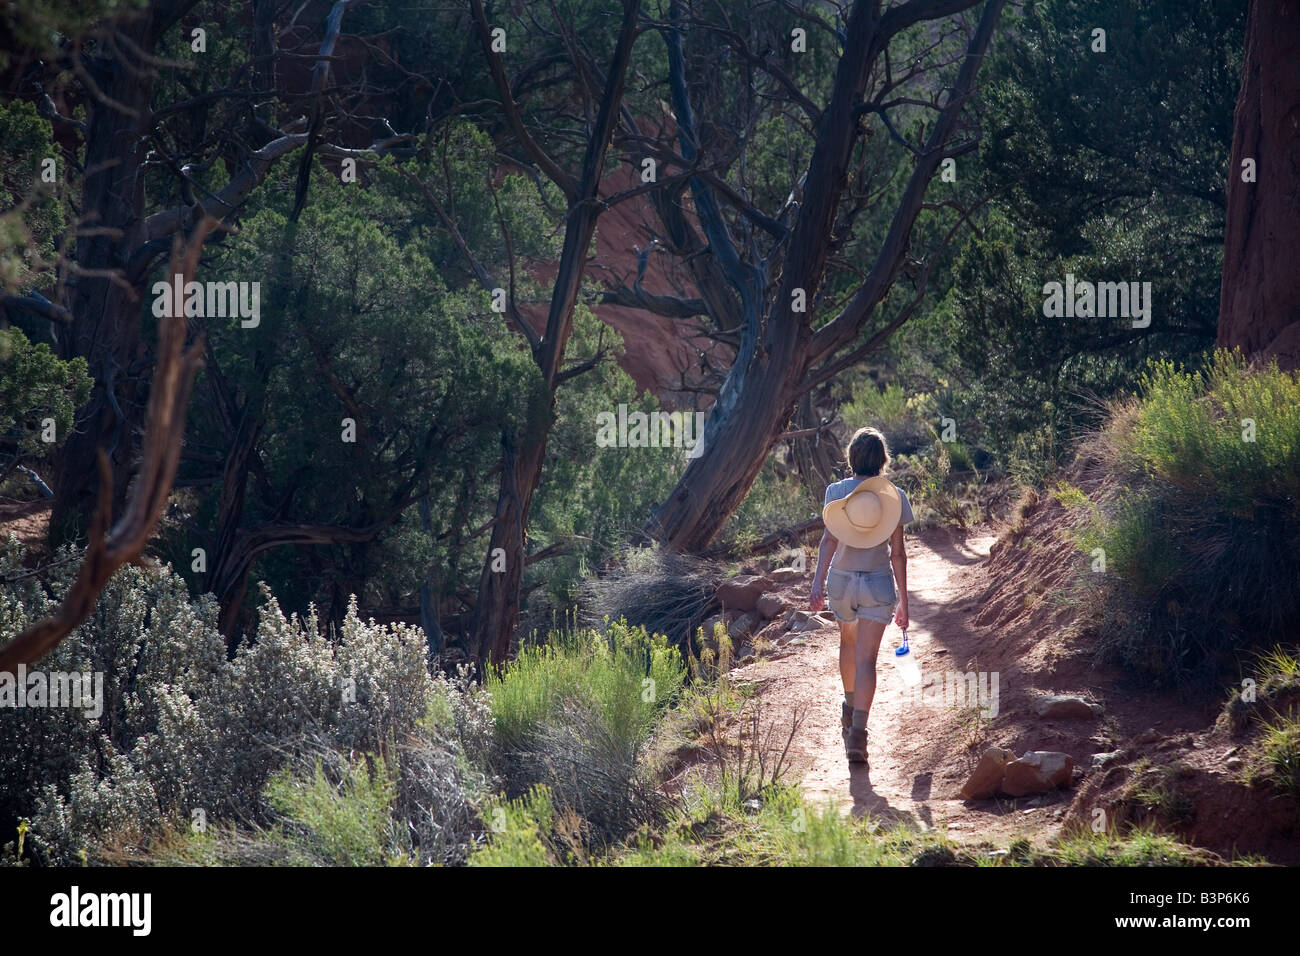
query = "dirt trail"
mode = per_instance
[{"x": 920, "y": 753}]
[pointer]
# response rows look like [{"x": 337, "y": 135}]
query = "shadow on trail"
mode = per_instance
[
  {"x": 956, "y": 551},
  {"x": 867, "y": 801}
]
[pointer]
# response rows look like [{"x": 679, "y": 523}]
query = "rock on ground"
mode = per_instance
[
  {"x": 1037, "y": 772},
  {"x": 770, "y": 606},
  {"x": 987, "y": 778},
  {"x": 1066, "y": 705},
  {"x": 742, "y": 593}
]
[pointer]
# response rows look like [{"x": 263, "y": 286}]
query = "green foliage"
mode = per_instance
[
  {"x": 37, "y": 26},
  {"x": 595, "y": 498},
  {"x": 1160, "y": 789},
  {"x": 1231, "y": 433},
  {"x": 622, "y": 673},
  {"x": 521, "y": 830},
  {"x": 358, "y": 323},
  {"x": 576, "y": 714},
  {"x": 1203, "y": 548},
  {"x": 1069, "y": 496},
  {"x": 908, "y": 420},
  {"x": 1139, "y": 847},
  {"x": 1081, "y": 136},
  {"x": 32, "y": 218},
  {"x": 35, "y": 385},
  {"x": 782, "y": 829},
  {"x": 1275, "y": 686},
  {"x": 344, "y": 823},
  {"x": 775, "y": 500},
  {"x": 1272, "y": 703},
  {"x": 1091, "y": 175},
  {"x": 1281, "y": 749}
]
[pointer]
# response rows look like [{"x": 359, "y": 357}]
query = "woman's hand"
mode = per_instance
[
  {"x": 900, "y": 616},
  {"x": 817, "y": 600}
]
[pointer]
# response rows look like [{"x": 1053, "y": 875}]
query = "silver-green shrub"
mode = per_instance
[{"x": 183, "y": 729}]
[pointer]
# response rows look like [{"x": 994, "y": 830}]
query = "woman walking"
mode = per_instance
[{"x": 864, "y": 517}]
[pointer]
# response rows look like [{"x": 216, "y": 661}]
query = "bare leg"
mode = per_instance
[
  {"x": 868, "y": 643},
  {"x": 848, "y": 655}
]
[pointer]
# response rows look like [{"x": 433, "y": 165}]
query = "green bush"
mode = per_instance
[
  {"x": 1202, "y": 541},
  {"x": 623, "y": 673},
  {"x": 521, "y": 831},
  {"x": 773, "y": 502},
  {"x": 909, "y": 423},
  {"x": 1271, "y": 701},
  {"x": 575, "y": 715},
  {"x": 1281, "y": 748},
  {"x": 343, "y": 823},
  {"x": 35, "y": 385}
]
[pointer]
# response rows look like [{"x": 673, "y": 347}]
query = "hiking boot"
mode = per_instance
[{"x": 855, "y": 745}]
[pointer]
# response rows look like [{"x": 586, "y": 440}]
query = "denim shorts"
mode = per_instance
[{"x": 869, "y": 595}]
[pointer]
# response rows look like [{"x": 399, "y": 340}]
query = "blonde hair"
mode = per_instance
[{"x": 867, "y": 453}]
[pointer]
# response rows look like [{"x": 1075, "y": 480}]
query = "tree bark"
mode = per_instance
[
  {"x": 497, "y": 611},
  {"x": 1259, "y": 300},
  {"x": 105, "y": 309},
  {"x": 815, "y": 457},
  {"x": 164, "y": 430},
  {"x": 760, "y": 393}
]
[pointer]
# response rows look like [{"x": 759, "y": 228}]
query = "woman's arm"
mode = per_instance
[
  {"x": 817, "y": 600},
  {"x": 898, "y": 558}
]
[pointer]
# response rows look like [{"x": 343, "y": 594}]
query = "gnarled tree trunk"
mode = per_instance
[
  {"x": 1259, "y": 301},
  {"x": 106, "y": 302},
  {"x": 779, "y": 349},
  {"x": 497, "y": 611}
]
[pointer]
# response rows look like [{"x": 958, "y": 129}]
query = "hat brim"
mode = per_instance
[{"x": 836, "y": 518}]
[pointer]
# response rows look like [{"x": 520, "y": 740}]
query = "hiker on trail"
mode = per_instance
[{"x": 864, "y": 518}]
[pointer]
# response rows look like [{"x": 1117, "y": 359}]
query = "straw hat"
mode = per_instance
[{"x": 867, "y": 516}]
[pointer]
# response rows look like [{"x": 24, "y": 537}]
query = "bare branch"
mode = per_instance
[
  {"x": 319, "y": 74},
  {"x": 666, "y": 305},
  {"x": 568, "y": 185},
  {"x": 109, "y": 550},
  {"x": 231, "y": 196},
  {"x": 846, "y": 325},
  {"x": 37, "y": 304}
]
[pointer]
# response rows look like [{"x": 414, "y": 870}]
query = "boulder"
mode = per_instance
[
  {"x": 1037, "y": 772},
  {"x": 707, "y": 626},
  {"x": 772, "y": 633},
  {"x": 743, "y": 626},
  {"x": 769, "y": 605},
  {"x": 987, "y": 778},
  {"x": 742, "y": 593},
  {"x": 1065, "y": 705},
  {"x": 786, "y": 575},
  {"x": 1101, "y": 760}
]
